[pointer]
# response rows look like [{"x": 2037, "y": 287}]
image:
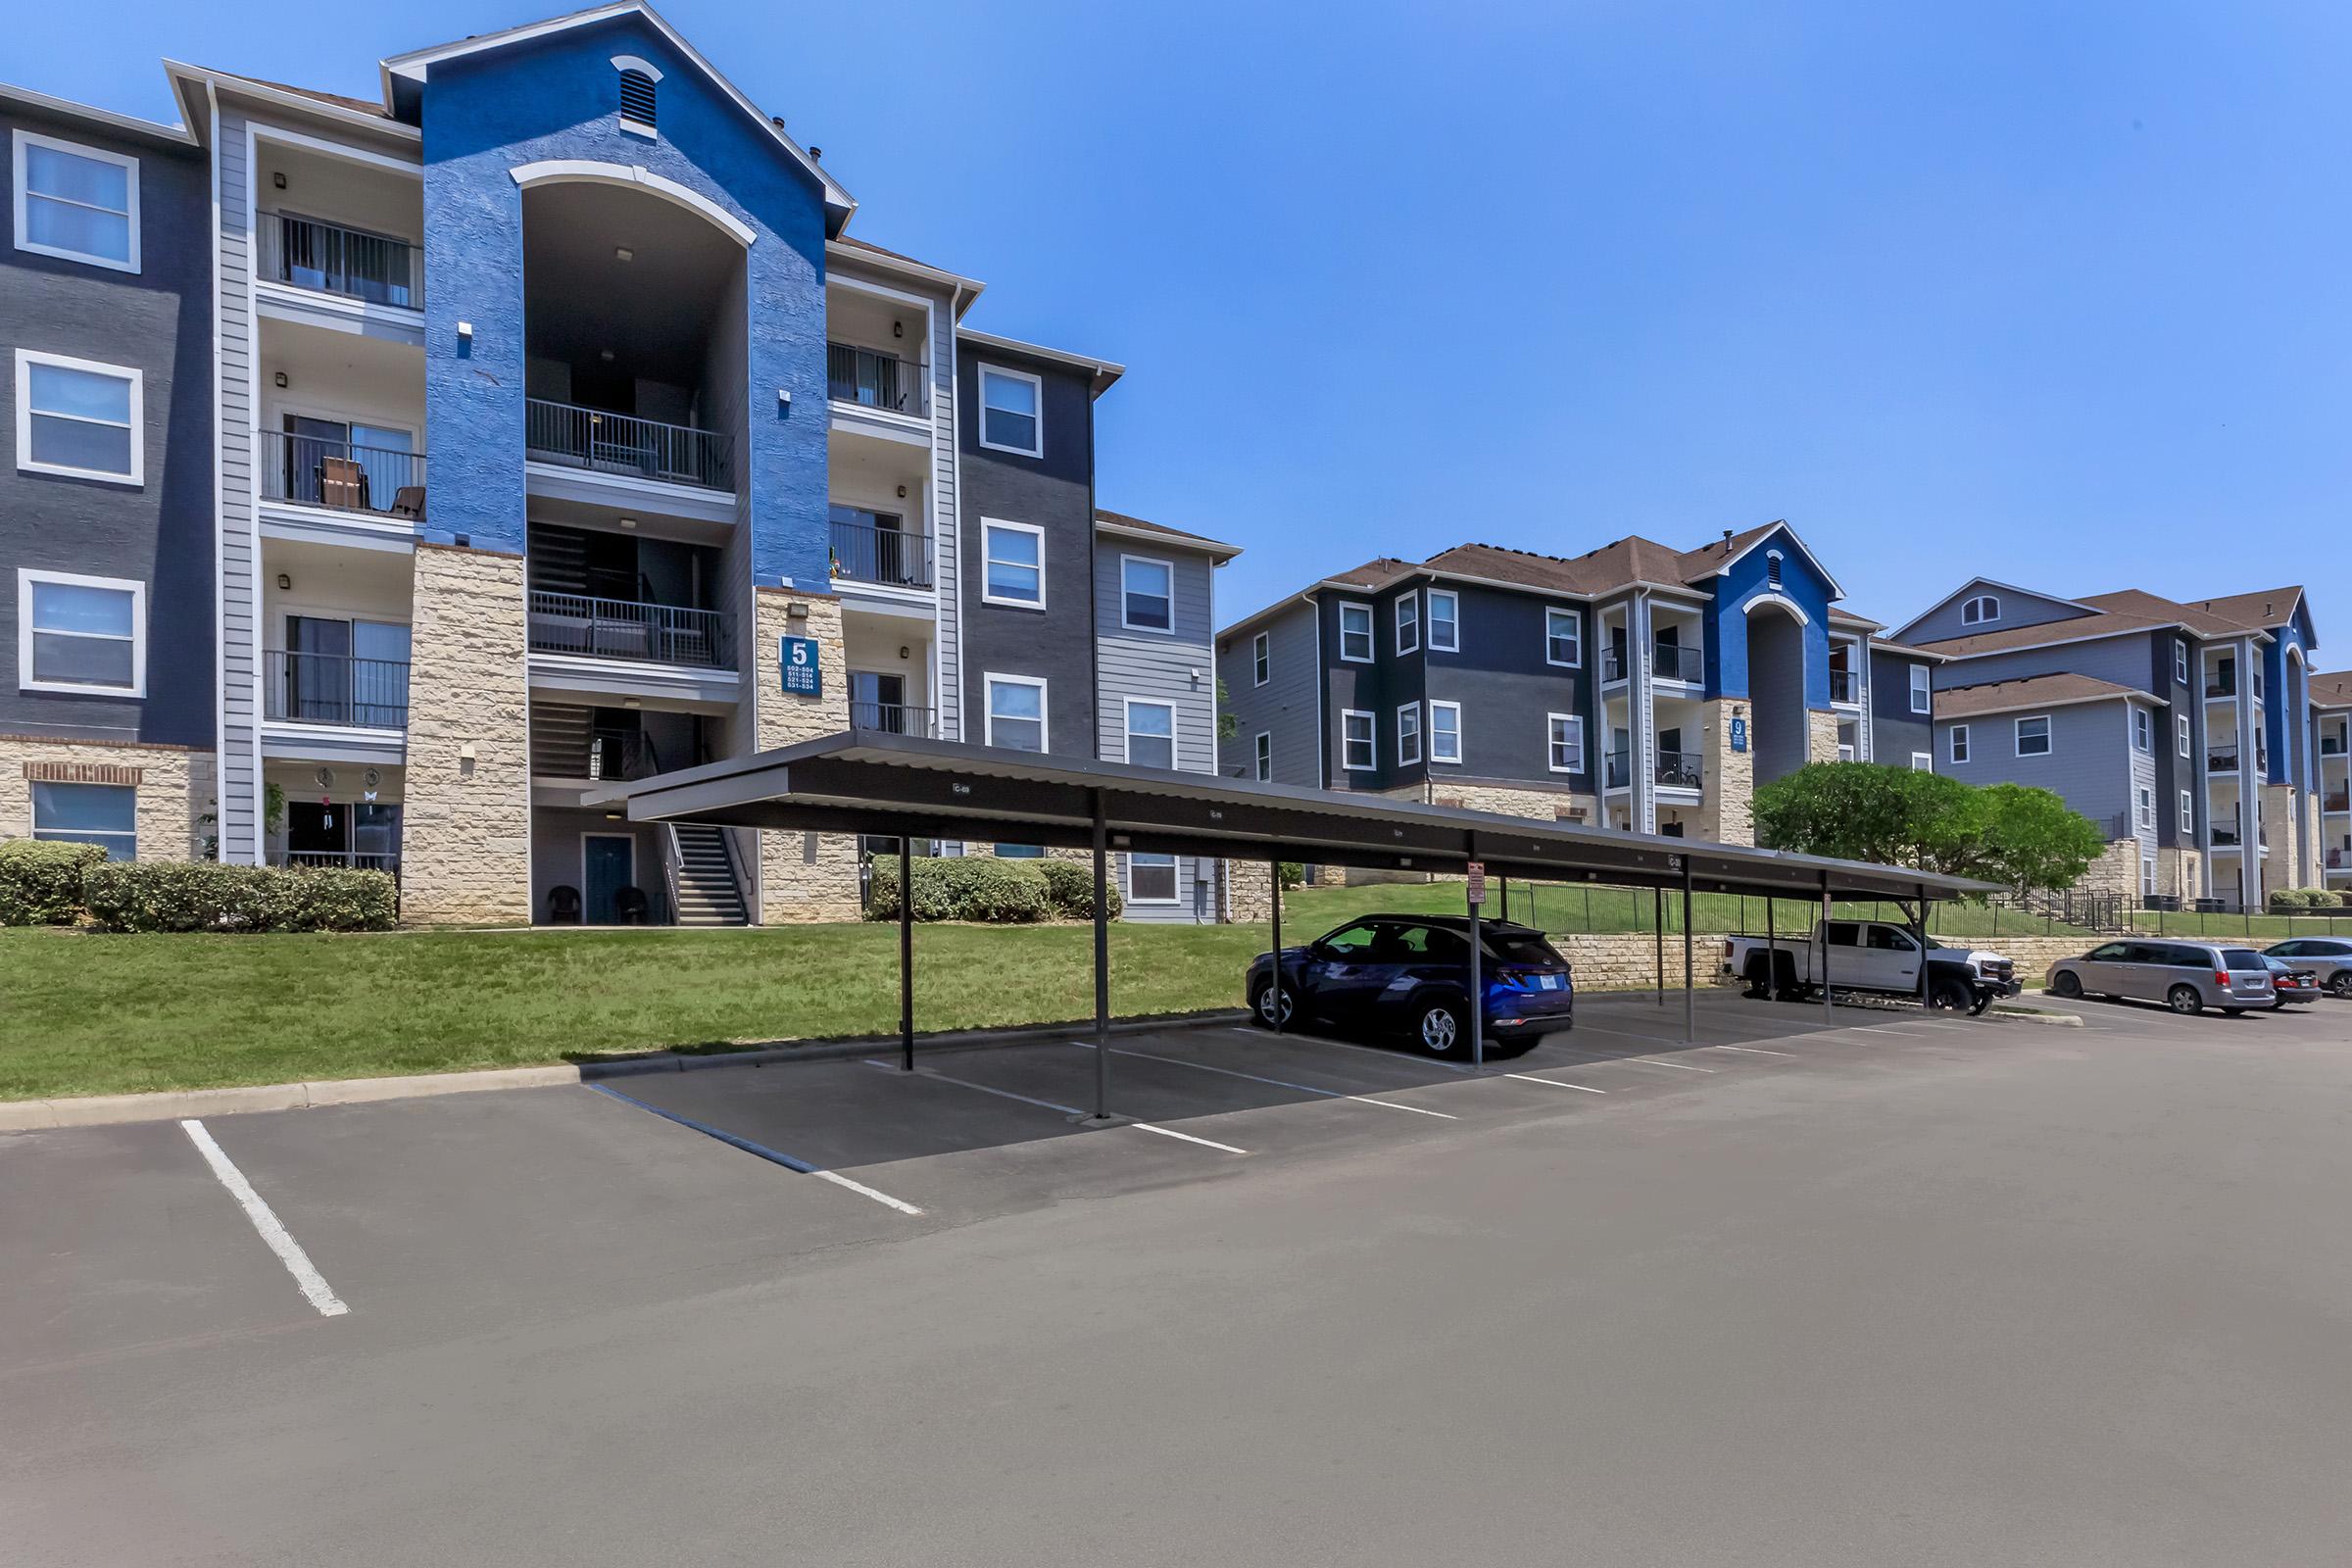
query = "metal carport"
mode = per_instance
[{"x": 905, "y": 787}]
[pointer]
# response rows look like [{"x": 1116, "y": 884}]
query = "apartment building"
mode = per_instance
[
  {"x": 106, "y": 721},
  {"x": 1636, "y": 686},
  {"x": 2184, "y": 730},
  {"x": 565, "y": 435},
  {"x": 2331, "y": 725}
]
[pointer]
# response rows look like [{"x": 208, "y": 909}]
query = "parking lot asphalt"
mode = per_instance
[{"x": 1869, "y": 1287}]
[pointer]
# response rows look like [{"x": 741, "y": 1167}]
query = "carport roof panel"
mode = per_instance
[{"x": 875, "y": 782}]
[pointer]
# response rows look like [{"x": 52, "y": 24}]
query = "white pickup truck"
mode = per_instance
[{"x": 1875, "y": 956}]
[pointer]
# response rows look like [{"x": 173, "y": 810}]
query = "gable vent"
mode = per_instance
[{"x": 637, "y": 97}]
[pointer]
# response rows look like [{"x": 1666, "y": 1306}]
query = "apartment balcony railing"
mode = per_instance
[
  {"x": 336, "y": 689},
  {"x": 2220, "y": 759},
  {"x": 617, "y": 629},
  {"x": 2331, "y": 745},
  {"x": 1616, "y": 770},
  {"x": 2227, "y": 838},
  {"x": 872, "y": 380},
  {"x": 2340, "y": 801},
  {"x": 343, "y": 859},
  {"x": 314, "y": 470},
  {"x": 334, "y": 259},
  {"x": 1613, "y": 663},
  {"x": 894, "y": 557},
  {"x": 623, "y": 444},
  {"x": 2220, "y": 686},
  {"x": 1842, "y": 686},
  {"x": 1678, "y": 770},
  {"x": 1673, "y": 662},
  {"x": 2338, "y": 859},
  {"x": 895, "y": 719},
  {"x": 623, "y": 754}
]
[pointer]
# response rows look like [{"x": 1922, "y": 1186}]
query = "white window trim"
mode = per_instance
[
  {"x": 980, "y": 386},
  {"x": 2182, "y": 726},
  {"x": 1371, "y": 622},
  {"x": 2188, "y": 813},
  {"x": 1575, "y": 620},
  {"x": 2049, "y": 735},
  {"x": 33, "y": 138},
  {"x": 26, "y": 578},
  {"x": 1410, "y": 600},
  {"x": 2143, "y": 729},
  {"x": 989, "y": 680},
  {"x": 1576, "y": 730},
  {"x": 1127, "y": 728},
  {"x": 2181, "y": 660},
  {"x": 27, "y": 359},
  {"x": 1404, "y": 711},
  {"x": 1261, "y": 659},
  {"x": 1923, "y": 762},
  {"x": 2147, "y": 807},
  {"x": 1035, "y": 532},
  {"x": 1956, "y": 741},
  {"x": 1460, "y": 742},
  {"x": 1986, "y": 616},
  {"x": 1371, "y": 739},
  {"x": 1923, "y": 690},
  {"x": 1262, "y": 757},
  {"x": 1175, "y": 880},
  {"x": 1430, "y": 632},
  {"x": 1167, "y": 564}
]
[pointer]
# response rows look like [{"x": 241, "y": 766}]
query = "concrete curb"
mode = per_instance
[{"x": 107, "y": 1110}]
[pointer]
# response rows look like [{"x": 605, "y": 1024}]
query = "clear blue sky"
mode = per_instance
[{"x": 2054, "y": 292}]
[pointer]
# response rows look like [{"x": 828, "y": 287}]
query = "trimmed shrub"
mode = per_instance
[
  {"x": 1070, "y": 889},
  {"x": 40, "y": 882},
  {"x": 2304, "y": 898},
  {"x": 972, "y": 886},
  {"x": 157, "y": 896}
]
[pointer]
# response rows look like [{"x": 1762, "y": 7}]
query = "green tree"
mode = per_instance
[
  {"x": 2009, "y": 833},
  {"x": 2033, "y": 838},
  {"x": 1228, "y": 726}
]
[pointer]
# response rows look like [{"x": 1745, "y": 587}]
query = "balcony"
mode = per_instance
[
  {"x": 309, "y": 470},
  {"x": 1673, "y": 662},
  {"x": 343, "y": 859},
  {"x": 2221, "y": 685},
  {"x": 622, "y": 444},
  {"x": 640, "y": 633},
  {"x": 2227, "y": 838},
  {"x": 337, "y": 689},
  {"x": 621, "y": 754},
  {"x": 1678, "y": 770},
  {"x": 2337, "y": 803},
  {"x": 1844, "y": 687},
  {"x": 1616, "y": 770},
  {"x": 329, "y": 259},
  {"x": 895, "y": 719},
  {"x": 895, "y": 557},
  {"x": 2220, "y": 759},
  {"x": 872, "y": 380}
]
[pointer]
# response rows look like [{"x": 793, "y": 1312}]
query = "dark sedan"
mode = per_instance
[
  {"x": 2291, "y": 983},
  {"x": 1409, "y": 974}
]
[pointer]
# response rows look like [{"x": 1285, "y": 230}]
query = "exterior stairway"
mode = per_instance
[
  {"x": 707, "y": 893},
  {"x": 560, "y": 740}
]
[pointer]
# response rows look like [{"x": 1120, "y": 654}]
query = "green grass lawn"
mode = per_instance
[{"x": 2240, "y": 927}]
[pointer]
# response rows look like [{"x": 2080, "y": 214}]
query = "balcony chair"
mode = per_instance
[
  {"x": 564, "y": 906},
  {"x": 409, "y": 501},
  {"x": 342, "y": 484}
]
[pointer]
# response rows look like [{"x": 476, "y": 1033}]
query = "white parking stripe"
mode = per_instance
[
  {"x": 279, "y": 1241},
  {"x": 1345, "y": 1045},
  {"x": 1749, "y": 1050},
  {"x": 1556, "y": 1083},
  {"x": 1599, "y": 1060},
  {"x": 1047, "y": 1104},
  {"x": 1278, "y": 1083}
]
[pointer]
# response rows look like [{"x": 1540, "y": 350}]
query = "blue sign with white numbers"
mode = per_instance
[
  {"x": 1739, "y": 734},
  {"x": 803, "y": 675}
]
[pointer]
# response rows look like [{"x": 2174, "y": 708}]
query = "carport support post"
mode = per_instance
[
  {"x": 1921, "y": 932},
  {"x": 1274, "y": 869},
  {"x": 1690, "y": 993},
  {"x": 1478, "y": 989},
  {"x": 1103, "y": 963},
  {"x": 905, "y": 952},
  {"x": 1822, "y": 935},
  {"x": 1657, "y": 926}
]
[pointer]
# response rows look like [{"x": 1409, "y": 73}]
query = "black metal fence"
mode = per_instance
[
  {"x": 621, "y": 443},
  {"x": 892, "y": 556},
  {"x": 617, "y": 629}
]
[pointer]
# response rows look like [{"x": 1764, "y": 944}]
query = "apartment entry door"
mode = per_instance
[
  {"x": 607, "y": 864},
  {"x": 878, "y": 700}
]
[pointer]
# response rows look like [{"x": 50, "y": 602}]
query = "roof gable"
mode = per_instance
[{"x": 1715, "y": 560}]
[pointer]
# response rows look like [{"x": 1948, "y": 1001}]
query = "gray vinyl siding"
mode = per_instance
[
  {"x": 2017, "y": 610},
  {"x": 946, "y": 543},
  {"x": 1896, "y": 733},
  {"x": 2090, "y": 764},
  {"x": 2143, "y": 777},
  {"x": 240, "y": 549},
  {"x": 1175, "y": 668},
  {"x": 2123, "y": 659},
  {"x": 1284, "y": 706}
]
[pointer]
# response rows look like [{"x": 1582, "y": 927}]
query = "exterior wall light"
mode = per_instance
[{"x": 465, "y": 330}]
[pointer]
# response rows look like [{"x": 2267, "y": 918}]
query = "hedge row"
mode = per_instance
[
  {"x": 60, "y": 884},
  {"x": 983, "y": 888},
  {"x": 2307, "y": 898}
]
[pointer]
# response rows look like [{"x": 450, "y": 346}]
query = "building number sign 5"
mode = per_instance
[{"x": 804, "y": 676}]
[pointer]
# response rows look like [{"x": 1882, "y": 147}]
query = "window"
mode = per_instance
[
  {"x": 1265, "y": 758},
  {"x": 1923, "y": 763},
  {"x": 1445, "y": 621},
  {"x": 1358, "y": 747},
  {"x": 1355, "y": 633},
  {"x": 2181, "y": 659},
  {"x": 77, "y": 202},
  {"x": 2188, "y": 813},
  {"x": 2181, "y": 723},
  {"x": 1566, "y": 742},
  {"x": 1445, "y": 730},
  {"x": 1982, "y": 608},
  {"x": 2147, "y": 807},
  {"x": 1959, "y": 742},
  {"x": 2033, "y": 736},
  {"x": 1563, "y": 638},
  {"x": 1017, "y": 851},
  {"x": 1151, "y": 734},
  {"x": 1015, "y": 573},
  {"x": 1016, "y": 713},
  {"x": 1408, "y": 622},
  {"x": 1010, "y": 419},
  {"x": 1151, "y": 879},
  {"x": 104, "y": 814},
  {"x": 1350, "y": 941},
  {"x": 1146, "y": 594},
  {"x": 80, "y": 634},
  {"x": 2143, "y": 730},
  {"x": 1262, "y": 658},
  {"x": 77, "y": 417},
  {"x": 1921, "y": 702},
  {"x": 1408, "y": 734}
]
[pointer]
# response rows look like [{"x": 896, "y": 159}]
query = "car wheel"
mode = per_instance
[
  {"x": 2340, "y": 984},
  {"x": 2184, "y": 999},
  {"x": 1441, "y": 1027},
  {"x": 2067, "y": 984},
  {"x": 1949, "y": 996},
  {"x": 1262, "y": 1003}
]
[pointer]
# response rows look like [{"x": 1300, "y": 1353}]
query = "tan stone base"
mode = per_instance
[
  {"x": 174, "y": 787},
  {"x": 2114, "y": 873},
  {"x": 466, "y": 818},
  {"x": 1727, "y": 811},
  {"x": 1246, "y": 892},
  {"x": 1821, "y": 736},
  {"x": 2281, "y": 867},
  {"x": 804, "y": 877}
]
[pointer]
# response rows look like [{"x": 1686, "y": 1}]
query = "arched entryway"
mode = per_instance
[{"x": 1776, "y": 687}]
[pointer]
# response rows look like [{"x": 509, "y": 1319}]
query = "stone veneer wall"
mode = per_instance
[
  {"x": 1727, "y": 812},
  {"x": 2116, "y": 871},
  {"x": 465, "y": 820},
  {"x": 804, "y": 877},
  {"x": 1628, "y": 960},
  {"x": 1821, "y": 733},
  {"x": 176, "y": 787},
  {"x": 1246, "y": 892},
  {"x": 2282, "y": 867}
]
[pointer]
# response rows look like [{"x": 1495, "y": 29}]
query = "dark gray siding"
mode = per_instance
[
  {"x": 1896, "y": 733},
  {"x": 1378, "y": 688},
  {"x": 1056, "y": 493},
  {"x": 1284, "y": 707},
  {"x": 1506, "y": 689},
  {"x": 158, "y": 321}
]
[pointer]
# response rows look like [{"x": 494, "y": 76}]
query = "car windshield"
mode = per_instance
[
  {"x": 2242, "y": 958},
  {"x": 1525, "y": 949}
]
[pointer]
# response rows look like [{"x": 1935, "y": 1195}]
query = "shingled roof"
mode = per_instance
[{"x": 2035, "y": 691}]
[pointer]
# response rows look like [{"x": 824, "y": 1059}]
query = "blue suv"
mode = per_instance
[{"x": 1410, "y": 974}]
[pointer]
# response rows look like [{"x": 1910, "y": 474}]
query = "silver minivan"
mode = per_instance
[
  {"x": 2186, "y": 976},
  {"x": 2330, "y": 957}
]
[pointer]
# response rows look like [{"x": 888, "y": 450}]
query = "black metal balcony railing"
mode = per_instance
[
  {"x": 2339, "y": 801},
  {"x": 2226, "y": 838},
  {"x": 337, "y": 689},
  {"x": 1842, "y": 686},
  {"x": 321, "y": 471},
  {"x": 1616, "y": 770},
  {"x": 2220, "y": 759},
  {"x": 334, "y": 259},
  {"x": 346, "y": 859},
  {"x": 2220, "y": 686},
  {"x": 1612, "y": 664},
  {"x": 872, "y": 380},
  {"x": 617, "y": 629},
  {"x": 895, "y": 719},
  {"x": 621, "y": 443},
  {"x": 892, "y": 556},
  {"x": 623, "y": 754},
  {"x": 1673, "y": 662},
  {"x": 1678, "y": 770}
]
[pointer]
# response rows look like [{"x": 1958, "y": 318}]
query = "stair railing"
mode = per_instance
[{"x": 672, "y": 859}]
